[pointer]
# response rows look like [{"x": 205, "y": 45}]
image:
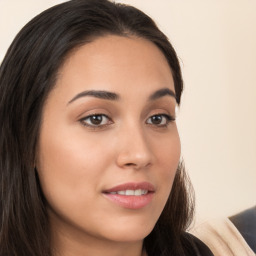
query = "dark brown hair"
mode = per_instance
[{"x": 27, "y": 75}]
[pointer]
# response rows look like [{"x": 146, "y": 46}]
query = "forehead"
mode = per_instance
[{"x": 115, "y": 63}]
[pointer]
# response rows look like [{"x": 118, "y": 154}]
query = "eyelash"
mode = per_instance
[
  {"x": 168, "y": 119},
  {"x": 95, "y": 126}
]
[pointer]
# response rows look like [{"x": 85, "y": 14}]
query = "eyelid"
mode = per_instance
[
  {"x": 169, "y": 118},
  {"x": 95, "y": 126}
]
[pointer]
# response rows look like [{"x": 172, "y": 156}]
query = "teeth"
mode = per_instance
[
  {"x": 129, "y": 192},
  {"x": 144, "y": 192},
  {"x": 137, "y": 192}
]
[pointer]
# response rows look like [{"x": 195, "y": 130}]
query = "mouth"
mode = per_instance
[
  {"x": 131, "y": 189},
  {"x": 131, "y": 195},
  {"x": 129, "y": 192}
]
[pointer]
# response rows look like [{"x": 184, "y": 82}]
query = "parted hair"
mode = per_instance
[{"x": 27, "y": 75}]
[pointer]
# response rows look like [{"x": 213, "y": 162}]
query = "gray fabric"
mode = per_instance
[{"x": 245, "y": 222}]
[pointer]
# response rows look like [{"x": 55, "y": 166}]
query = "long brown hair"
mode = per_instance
[{"x": 27, "y": 75}]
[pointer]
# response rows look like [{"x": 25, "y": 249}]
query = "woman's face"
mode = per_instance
[{"x": 109, "y": 147}]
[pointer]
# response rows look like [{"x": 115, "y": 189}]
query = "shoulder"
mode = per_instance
[
  {"x": 195, "y": 247},
  {"x": 222, "y": 237}
]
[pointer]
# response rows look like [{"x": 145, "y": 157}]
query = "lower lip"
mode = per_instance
[{"x": 131, "y": 202}]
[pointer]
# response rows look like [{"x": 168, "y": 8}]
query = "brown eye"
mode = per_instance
[
  {"x": 156, "y": 119},
  {"x": 160, "y": 120},
  {"x": 95, "y": 120}
]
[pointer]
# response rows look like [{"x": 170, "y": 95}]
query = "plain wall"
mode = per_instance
[{"x": 216, "y": 44}]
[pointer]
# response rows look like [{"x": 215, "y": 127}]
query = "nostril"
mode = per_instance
[
  {"x": 137, "y": 166},
  {"x": 130, "y": 164},
  {"x": 134, "y": 159}
]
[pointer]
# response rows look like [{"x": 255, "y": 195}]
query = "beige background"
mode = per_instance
[{"x": 216, "y": 44}]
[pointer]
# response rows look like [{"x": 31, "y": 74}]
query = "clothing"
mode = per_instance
[
  {"x": 196, "y": 247},
  {"x": 223, "y": 238},
  {"x": 245, "y": 222},
  {"x": 190, "y": 246}
]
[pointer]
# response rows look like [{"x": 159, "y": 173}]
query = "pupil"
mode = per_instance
[
  {"x": 156, "y": 119},
  {"x": 96, "y": 119}
]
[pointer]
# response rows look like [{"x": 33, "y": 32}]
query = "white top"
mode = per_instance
[{"x": 223, "y": 238}]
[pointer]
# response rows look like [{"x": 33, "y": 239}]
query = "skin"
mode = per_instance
[{"x": 77, "y": 159}]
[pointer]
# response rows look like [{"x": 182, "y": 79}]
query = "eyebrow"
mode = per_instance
[
  {"x": 96, "y": 94},
  {"x": 161, "y": 93},
  {"x": 106, "y": 95}
]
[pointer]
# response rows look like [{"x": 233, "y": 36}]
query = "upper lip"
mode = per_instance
[{"x": 131, "y": 186}]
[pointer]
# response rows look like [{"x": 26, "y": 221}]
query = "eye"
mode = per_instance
[
  {"x": 160, "y": 120},
  {"x": 96, "y": 120}
]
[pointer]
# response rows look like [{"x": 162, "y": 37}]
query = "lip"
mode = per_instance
[
  {"x": 131, "y": 202},
  {"x": 133, "y": 186}
]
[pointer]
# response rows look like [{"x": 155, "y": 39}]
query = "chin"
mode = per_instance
[{"x": 129, "y": 233}]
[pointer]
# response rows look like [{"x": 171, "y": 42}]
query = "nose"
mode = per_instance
[{"x": 134, "y": 149}]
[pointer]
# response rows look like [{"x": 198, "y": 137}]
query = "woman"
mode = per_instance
[{"x": 89, "y": 146}]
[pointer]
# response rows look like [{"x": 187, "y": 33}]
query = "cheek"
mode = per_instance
[
  {"x": 68, "y": 168},
  {"x": 168, "y": 157},
  {"x": 168, "y": 153}
]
